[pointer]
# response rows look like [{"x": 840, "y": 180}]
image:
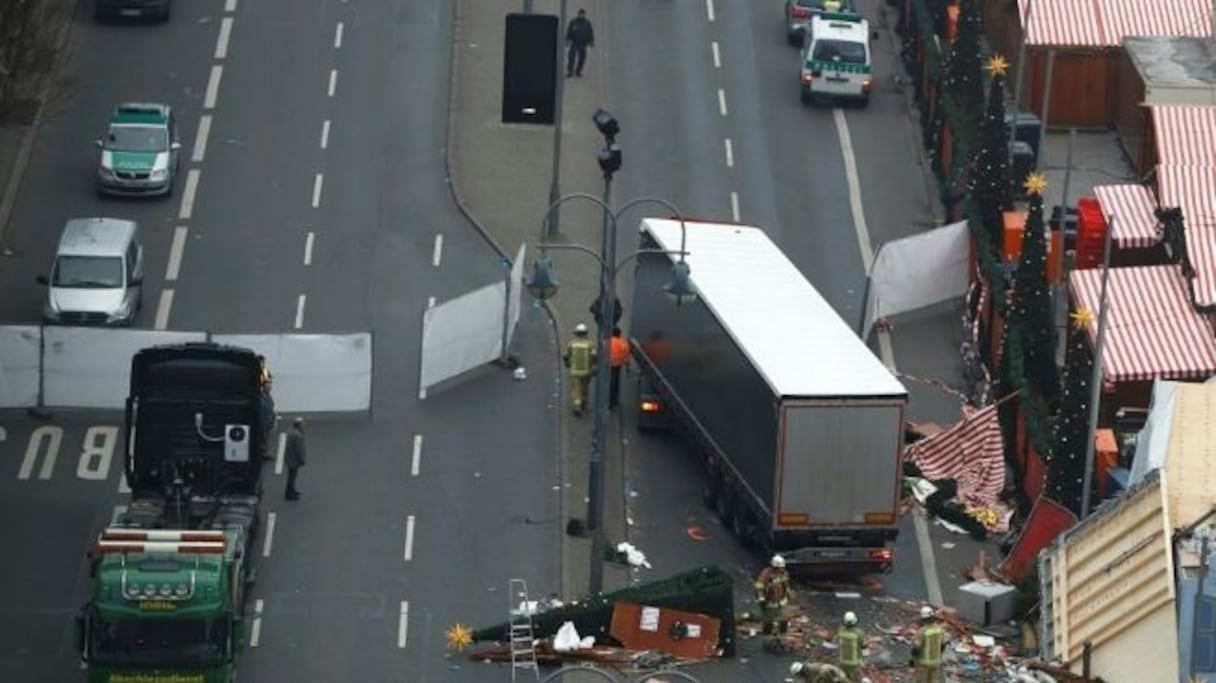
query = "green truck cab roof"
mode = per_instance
[
  {"x": 173, "y": 579},
  {"x": 140, "y": 113}
]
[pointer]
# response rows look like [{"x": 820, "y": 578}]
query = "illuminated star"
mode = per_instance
[
  {"x": 997, "y": 65},
  {"x": 1035, "y": 183},
  {"x": 459, "y": 637},
  {"x": 1082, "y": 319}
]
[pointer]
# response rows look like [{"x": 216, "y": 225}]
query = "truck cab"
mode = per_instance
[{"x": 836, "y": 60}]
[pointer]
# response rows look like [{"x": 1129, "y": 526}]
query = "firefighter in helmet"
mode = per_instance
[
  {"x": 580, "y": 360},
  {"x": 927, "y": 648},
  {"x": 773, "y": 594}
]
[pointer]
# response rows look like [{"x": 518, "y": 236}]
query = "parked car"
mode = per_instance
[
  {"x": 97, "y": 275},
  {"x": 140, "y": 152},
  {"x": 110, "y": 9}
]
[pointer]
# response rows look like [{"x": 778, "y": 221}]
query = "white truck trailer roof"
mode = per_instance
[{"x": 789, "y": 331}]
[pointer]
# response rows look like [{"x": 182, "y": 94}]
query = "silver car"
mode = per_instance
[
  {"x": 798, "y": 15},
  {"x": 97, "y": 275}
]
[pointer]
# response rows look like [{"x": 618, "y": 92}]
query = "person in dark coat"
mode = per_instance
[
  {"x": 579, "y": 37},
  {"x": 294, "y": 457},
  {"x": 269, "y": 417}
]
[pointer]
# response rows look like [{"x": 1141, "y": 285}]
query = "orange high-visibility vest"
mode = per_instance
[{"x": 619, "y": 352}]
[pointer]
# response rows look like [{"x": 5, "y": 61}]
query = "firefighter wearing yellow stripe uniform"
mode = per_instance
[
  {"x": 773, "y": 594},
  {"x": 849, "y": 643},
  {"x": 580, "y": 359},
  {"x": 927, "y": 648}
]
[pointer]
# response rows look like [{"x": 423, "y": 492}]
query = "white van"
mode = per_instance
[
  {"x": 97, "y": 275},
  {"x": 836, "y": 60}
]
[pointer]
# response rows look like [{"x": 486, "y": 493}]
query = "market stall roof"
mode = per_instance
[
  {"x": 1132, "y": 209},
  {"x": 1152, "y": 330},
  {"x": 1193, "y": 189},
  {"x": 1105, "y": 23},
  {"x": 1185, "y": 134}
]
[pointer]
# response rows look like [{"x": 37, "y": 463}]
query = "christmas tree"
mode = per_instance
[
  {"x": 1066, "y": 464},
  {"x": 989, "y": 184},
  {"x": 1031, "y": 311},
  {"x": 964, "y": 78}
]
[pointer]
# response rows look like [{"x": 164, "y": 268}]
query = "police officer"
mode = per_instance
[
  {"x": 293, "y": 457},
  {"x": 618, "y": 348},
  {"x": 849, "y": 643},
  {"x": 580, "y": 359},
  {"x": 773, "y": 594},
  {"x": 814, "y": 672},
  {"x": 927, "y": 648},
  {"x": 579, "y": 37}
]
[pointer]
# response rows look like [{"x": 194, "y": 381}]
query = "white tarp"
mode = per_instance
[
  {"x": 515, "y": 293},
  {"x": 314, "y": 372},
  {"x": 917, "y": 271},
  {"x": 19, "y": 354},
  {"x": 86, "y": 367},
  {"x": 1153, "y": 441},
  {"x": 461, "y": 334}
]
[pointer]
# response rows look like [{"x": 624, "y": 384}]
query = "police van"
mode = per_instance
[{"x": 836, "y": 59}]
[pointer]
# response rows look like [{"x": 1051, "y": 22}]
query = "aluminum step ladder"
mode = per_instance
[{"x": 520, "y": 637}]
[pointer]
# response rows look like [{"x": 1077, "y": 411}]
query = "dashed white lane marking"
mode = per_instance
[
  {"x": 162, "y": 310},
  {"x": 403, "y": 625},
  {"x": 430, "y": 303},
  {"x": 213, "y": 87},
  {"x": 271, "y": 518},
  {"x": 221, "y": 43},
  {"x": 175, "y": 253},
  {"x": 409, "y": 538},
  {"x": 118, "y": 511},
  {"x": 255, "y": 631},
  {"x": 300, "y": 311},
  {"x": 437, "y": 252},
  {"x": 317, "y": 182},
  {"x": 123, "y": 487},
  {"x": 229, "y": 5},
  {"x": 187, "y": 207},
  {"x": 308, "y": 248},
  {"x": 200, "y": 140},
  {"x": 709, "y": 9},
  {"x": 333, "y": 81},
  {"x": 734, "y": 206},
  {"x": 730, "y": 154},
  {"x": 325, "y": 134},
  {"x": 721, "y": 101},
  {"x": 278, "y": 458},
  {"x": 717, "y": 55},
  {"x": 338, "y": 35},
  {"x": 416, "y": 460},
  {"x": 859, "y": 219}
]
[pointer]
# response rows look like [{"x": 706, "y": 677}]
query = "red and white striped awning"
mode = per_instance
[
  {"x": 971, "y": 453},
  {"x": 1105, "y": 23},
  {"x": 1130, "y": 208},
  {"x": 1152, "y": 332},
  {"x": 1185, "y": 134},
  {"x": 1193, "y": 189}
]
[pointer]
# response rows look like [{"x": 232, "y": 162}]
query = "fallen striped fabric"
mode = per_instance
[{"x": 971, "y": 453}]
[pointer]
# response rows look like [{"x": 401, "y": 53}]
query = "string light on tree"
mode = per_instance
[
  {"x": 1066, "y": 462},
  {"x": 1031, "y": 310},
  {"x": 989, "y": 185}
]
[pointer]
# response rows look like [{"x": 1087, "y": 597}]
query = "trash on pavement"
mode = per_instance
[{"x": 567, "y": 639}]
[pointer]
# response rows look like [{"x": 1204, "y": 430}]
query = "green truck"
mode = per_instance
[{"x": 171, "y": 576}]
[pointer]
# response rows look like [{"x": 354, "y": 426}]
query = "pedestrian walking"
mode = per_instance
[
  {"x": 773, "y": 594},
  {"x": 927, "y": 647},
  {"x": 849, "y": 644},
  {"x": 579, "y": 37},
  {"x": 580, "y": 359},
  {"x": 294, "y": 457},
  {"x": 618, "y": 357}
]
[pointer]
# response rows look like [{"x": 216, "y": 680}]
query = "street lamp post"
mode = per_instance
[{"x": 544, "y": 285}]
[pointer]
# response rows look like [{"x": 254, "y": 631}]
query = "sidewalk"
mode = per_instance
[{"x": 500, "y": 176}]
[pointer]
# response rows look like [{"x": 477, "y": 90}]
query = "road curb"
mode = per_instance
[{"x": 25, "y": 150}]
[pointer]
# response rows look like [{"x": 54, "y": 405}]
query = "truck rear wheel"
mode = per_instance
[{"x": 726, "y": 505}]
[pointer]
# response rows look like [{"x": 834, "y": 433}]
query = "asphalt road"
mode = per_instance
[{"x": 413, "y": 516}]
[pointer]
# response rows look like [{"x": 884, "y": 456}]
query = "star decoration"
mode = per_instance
[
  {"x": 459, "y": 637},
  {"x": 1082, "y": 319},
  {"x": 997, "y": 65},
  {"x": 1036, "y": 183}
]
